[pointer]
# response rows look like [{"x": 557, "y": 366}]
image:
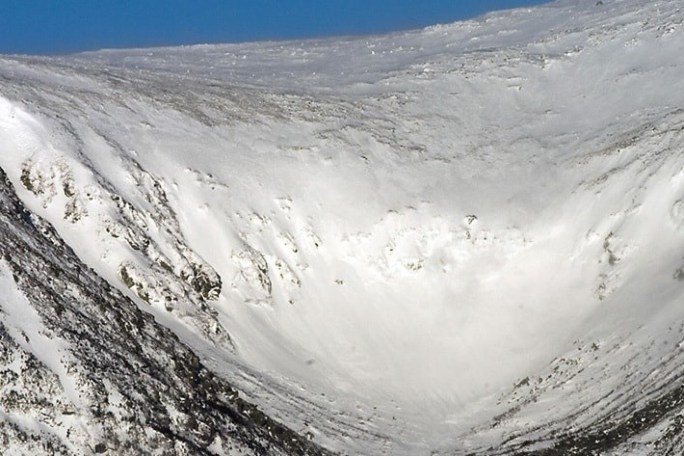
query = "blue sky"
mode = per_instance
[{"x": 63, "y": 26}]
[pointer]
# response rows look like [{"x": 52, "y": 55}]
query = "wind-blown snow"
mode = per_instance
[{"x": 378, "y": 238}]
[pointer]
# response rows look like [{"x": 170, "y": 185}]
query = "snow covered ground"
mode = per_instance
[{"x": 463, "y": 238}]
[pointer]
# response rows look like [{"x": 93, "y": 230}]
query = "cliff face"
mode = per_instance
[{"x": 85, "y": 371}]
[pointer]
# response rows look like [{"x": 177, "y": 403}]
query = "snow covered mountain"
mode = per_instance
[{"x": 467, "y": 239}]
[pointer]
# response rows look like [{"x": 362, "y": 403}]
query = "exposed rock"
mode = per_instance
[{"x": 135, "y": 388}]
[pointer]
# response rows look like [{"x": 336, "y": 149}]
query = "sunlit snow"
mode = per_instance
[{"x": 414, "y": 233}]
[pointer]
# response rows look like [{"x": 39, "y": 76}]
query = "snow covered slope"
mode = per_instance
[
  {"x": 84, "y": 371},
  {"x": 464, "y": 239}
]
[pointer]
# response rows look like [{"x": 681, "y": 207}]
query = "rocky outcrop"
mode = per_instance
[{"x": 123, "y": 384}]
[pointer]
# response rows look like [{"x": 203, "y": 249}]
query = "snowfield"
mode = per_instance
[{"x": 467, "y": 239}]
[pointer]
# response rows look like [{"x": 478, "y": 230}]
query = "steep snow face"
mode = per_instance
[
  {"x": 377, "y": 238},
  {"x": 84, "y": 371}
]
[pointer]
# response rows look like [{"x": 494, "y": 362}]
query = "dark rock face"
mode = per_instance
[{"x": 133, "y": 387}]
